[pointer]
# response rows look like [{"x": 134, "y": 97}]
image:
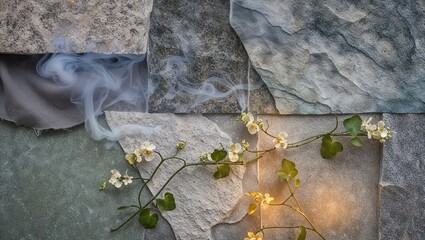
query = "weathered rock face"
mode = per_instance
[
  {"x": 194, "y": 56},
  {"x": 402, "y": 193},
  {"x": 328, "y": 56},
  {"x": 74, "y": 26},
  {"x": 202, "y": 201},
  {"x": 340, "y": 195}
]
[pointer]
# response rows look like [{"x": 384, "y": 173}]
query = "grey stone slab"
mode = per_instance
[
  {"x": 402, "y": 192},
  {"x": 332, "y": 56},
  {"x": 202, "y": 201},
  {"x": 237, "y": 131},
  {"x": 339, "y": 195},
  {"x": 50, "y": 187},
  {"x": 74, "y": 26},
  {"x": 197, "y": 62}
]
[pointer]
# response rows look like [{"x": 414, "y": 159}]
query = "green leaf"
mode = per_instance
[
  {"x": 303, "y": 233},
  {"x": 147, "y": 219},
  {"x": 252, "y": 208},
  {"x": 218, "y": 155},
  {"x": 356, "y": 142},
  {"x": 288, "y": 170},
  {"x": 297, "y": 183},
  {"x": 353, "y": 124},
  {"x": 223, "y": 170},
  {"x": 330, "y": 148},
  {"x": 166, "y": 204}
]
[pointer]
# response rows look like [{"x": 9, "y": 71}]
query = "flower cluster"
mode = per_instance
[
  {"x": 117, "y": 180},
  {"x": 254, "y": 236},
  {"x": 146, "y": 151},
  {"x": 260, "y": 198},
  {"x": 252, "y": 125},
  {"x": 180, "y": 145},
  {"x": 281, "y": 140},
  {"x": 378, "y": 131}
]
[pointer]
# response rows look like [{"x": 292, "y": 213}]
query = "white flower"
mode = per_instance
[
  {"x": 252, "y": 126},
  {"x": 127, "y": 179},
  {"x": 281, "y": 140},
  {"x": 138, "y": 154},
  {"x": 115, "y": 178},
  {"x": 147, "y": 151},
  {"x": 383, "y": 132},
  {"x": 234, "y": 152},
  {"x": 378, "y": 132},
  {"x": 246, "y": 117},
  {"x": 369, "y": 128}
]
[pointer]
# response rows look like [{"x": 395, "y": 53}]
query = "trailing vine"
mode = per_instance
[{"x": 223, "y": 158}]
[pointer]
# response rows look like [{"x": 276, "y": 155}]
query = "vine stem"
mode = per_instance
[
  {"x": 167, "y": 182},
  {"x": 300, "y": 211},
  {"x": 281, "y": 227}
]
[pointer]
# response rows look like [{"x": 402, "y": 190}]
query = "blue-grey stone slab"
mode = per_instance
[
  {"x": 336, "y": 56},
  {"x": 402, "y": 194}
]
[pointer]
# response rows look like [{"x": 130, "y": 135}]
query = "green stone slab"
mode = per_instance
[{"x": 50, "y": 185}]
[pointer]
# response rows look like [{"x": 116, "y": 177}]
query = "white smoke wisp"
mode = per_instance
[
  {"x": 219, "y": 85},
  {"x": 101, "y": 82}
]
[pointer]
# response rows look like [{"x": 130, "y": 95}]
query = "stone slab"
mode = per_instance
[
  {"x": 339, "y": 195},
  {"x": 31, "y": 27},
  {"x": 336, "y": 57},
  {"x": 50, "y": 187},
  {"x": 202, "y": 202},
  {"x": 197, "y": 63},
  {"x": 402, "y": 183}
]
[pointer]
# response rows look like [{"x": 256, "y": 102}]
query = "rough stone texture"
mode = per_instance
[
  {"x": 74, "y": 26},
  {"x": 327, "y": 56},
  {"x": 202, "y": 201},
  {"x": 237, "y": 131},
  {"x": 402, "y": 193},
  {"x": 50, "y": 185},
  {"x": 195, "y": 55},
  {"x": 339, "y": 195}
]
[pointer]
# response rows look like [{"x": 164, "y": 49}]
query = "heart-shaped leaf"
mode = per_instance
[
  {"x": 166, "y": 204},
  {"x": 330, "y": 148},
  {"x": 303, "y": 233},
  {"x": 147, "y": 219},
  {"x": 252, "y": 208},
  {"x": 223, "y": 170},
  {"x": 218, "y": 155},
  {"x": 288, "y": 170},
  {"x": 356, "y": 142},
  {"x": 353, "y": 125}
]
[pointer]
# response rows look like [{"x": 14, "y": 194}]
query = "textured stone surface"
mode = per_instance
[
  {"x": 195, "y": 55},
  {"x": 339, "y": 195},
  {"x": 202, "y": 201},
  {"x": 50, "y": 187},
  {"x": 225, "y": 231},
  {"x": 74, "y": 26},
  {"x": 402, "y": 194},
  {"x": 329, "y": 56}
]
